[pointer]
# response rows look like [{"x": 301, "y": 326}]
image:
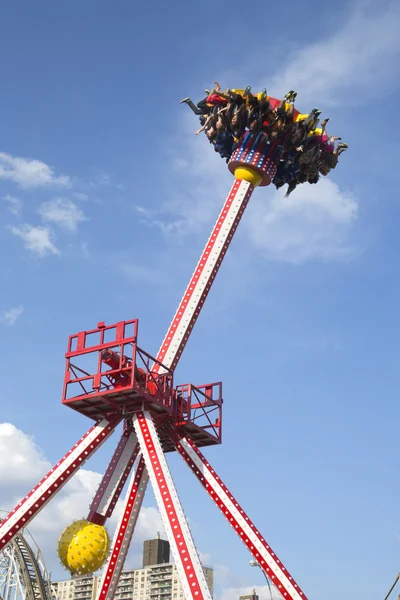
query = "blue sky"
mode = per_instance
[{"x": 106, "y": 201}]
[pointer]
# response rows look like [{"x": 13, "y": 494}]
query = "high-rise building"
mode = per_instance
[
  {"x": 155, "y": 552},
  {"x": 154, "y": 582},
  {"x": 158, "y": 582},
  {"x": 77, "y": 588}
]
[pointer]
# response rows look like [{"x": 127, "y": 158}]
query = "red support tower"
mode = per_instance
[{"x": 110, "y": 379}]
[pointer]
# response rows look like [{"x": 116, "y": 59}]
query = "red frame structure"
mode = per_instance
[
  {"x": 110, "y": 379},
  {"x": 107, "y": 372},
  {"x": 113, "y": 375}
]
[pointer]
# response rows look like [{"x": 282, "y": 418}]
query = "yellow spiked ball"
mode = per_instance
[{"x": 83, "y": 547}]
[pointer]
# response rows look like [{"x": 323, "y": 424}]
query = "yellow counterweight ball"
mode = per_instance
[{"x": 83, "y": 547}]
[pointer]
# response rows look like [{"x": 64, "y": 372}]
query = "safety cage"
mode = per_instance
[{"x": 107, "y": 372}]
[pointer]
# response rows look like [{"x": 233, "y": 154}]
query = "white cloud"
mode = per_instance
[
  {"x": 314, "y": 222},
  {"x": 62, "y": 212},
  {"x": 28, "y": 173},
  {"x": 360, "y": 54},
  {"x": 205, "y": 558},
  {"x": 203, "y": 182},
  {"x": 14, "y": 204},
  {"x": 21, "y": 461},
  {"x": 11, "y": 316},
  {"x": 352, "y": 63},
  {"x": 36, "y": 239},
  {"x": 22, "y": 465},
  {"x": 81, "y": 196},
  {"x": 142, "y": 210},
  {"x": 102, "y": 178},
  {"x": 85, "y": 249}
]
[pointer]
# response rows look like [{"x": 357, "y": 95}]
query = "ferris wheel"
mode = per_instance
[{"x": 23, "y": 575}]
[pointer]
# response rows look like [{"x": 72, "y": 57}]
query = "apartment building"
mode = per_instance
[
  {"x": 77, "y": 588},
  {"x": 153, "y": 582}
]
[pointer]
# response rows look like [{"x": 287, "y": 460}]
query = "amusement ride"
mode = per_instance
[
  {"x": 23, "y": 574},
  {"x": 111, "y": 380}
]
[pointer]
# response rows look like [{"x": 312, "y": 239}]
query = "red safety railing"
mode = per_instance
[
  {"x": 107, "y": 363},
  {"x": 201, "y": 406}
]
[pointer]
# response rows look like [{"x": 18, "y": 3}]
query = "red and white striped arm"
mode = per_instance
[
  {"x": 185, "y": 555},
  {"x": 55, "y": 479},
  {"x": 114, "y": 478},
  {"x": 203, "y": 276},
  {"x": 235, "y": 515},
  {"x": 178, "y": 334},
  {"x": 125, "y": 528}
]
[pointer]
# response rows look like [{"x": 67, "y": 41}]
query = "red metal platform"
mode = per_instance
[{"x": 107, "y": 373}]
